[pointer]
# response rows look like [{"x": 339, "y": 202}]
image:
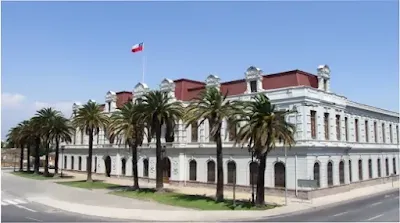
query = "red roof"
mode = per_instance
[
  {"x": 186, "y": 89},
  {"x": 123, "y": 97}
]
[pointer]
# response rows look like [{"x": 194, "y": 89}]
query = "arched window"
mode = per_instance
[
  {"x": 387, "y": 166},
  {"x": 123, "y": 166},
  {"x": 360, "y": 170},
  {"x": 210, "y": 171},
  {"x": 65, "y": 162},
  {"x": 231, "y": 172},
  {"x": 95, "y": 164},
  {"x": 72, "y": 162},
  {"x": 79, "y": 163},
  {"x": 370, "y": 169},
  {"x": 253, "y": 173},
  {"x": 146, "y": 168},
  {"x": 330, "y": 173},
  {"x": 394, "y": 165},
  {"x": 192, "y": 170},
  {"x": 87, "y": 163},
  {"x": 279, "y": 170},
  {"x": 379, "y": 167},
  {"x": 317, "y": 173},
  {"x": 350, "y": 172},
  {"x": 341, "y": 172}
]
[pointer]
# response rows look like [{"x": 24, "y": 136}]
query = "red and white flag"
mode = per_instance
[{"x": 137, "y": 48}]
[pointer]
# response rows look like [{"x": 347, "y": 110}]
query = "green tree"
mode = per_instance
[
  {"x": 60, "y": 132},
  {"x": 45, "y": 118},
  {"x": 212, "y": 105},
  {"x": 128, "y": 123},
  {"x": 158, "y": 109},
  {"x": 263, "y": 126},
  {"x": 90, "y": 119},
  {"x": 14, "y": 136},
  {"x": 27, "y": 134}
]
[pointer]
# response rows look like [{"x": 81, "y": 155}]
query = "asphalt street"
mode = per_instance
[
  {"x": 17, "y": 208},
  {"x": 383, "y": 207}
]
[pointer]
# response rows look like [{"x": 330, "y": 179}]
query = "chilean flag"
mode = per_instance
[{"x": 137, "y": 48}]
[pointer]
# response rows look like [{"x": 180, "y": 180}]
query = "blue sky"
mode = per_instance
[{"x": 55, "y": 53}]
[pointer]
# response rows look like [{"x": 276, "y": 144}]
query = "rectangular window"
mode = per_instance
[
  {"x": 366, "y": 131},
  {"x": 397, "y": 134},
  {"x": 232, "y": 132},
  {"x": 375, "y": 132},
  {"x": 326, "y": 125},
  {"x": 346, "y": 128},
  {"x": 81, "y": 137},
  {"x": 383, "y": 133},
  {"x": 194, "y": 128},
  {"x": 74, "y": 136},
  {"x": 356, "y": 129},
  {"x": 390, "y": 133},
  {"x": 338, "y": 127},
  {"x": 313, "y": 125},
  {"x": 253, "y": 86},
  {"x": 210, "y": 136},
  {"x": 109, "y": 106}
]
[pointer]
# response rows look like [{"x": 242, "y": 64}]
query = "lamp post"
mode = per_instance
[
  {"x": 62, "y": 161},
  {"x": 163, "y": 163},
  {"x": 285, "y": 176},
  {"x": 251, "y": 152}
]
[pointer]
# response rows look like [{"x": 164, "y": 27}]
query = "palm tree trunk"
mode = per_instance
[
  {"x": 219, "y": 195},
  {"x": 89, "y": 164},
  {"x": 46, "y": 163},
  {"x": 159, "y": 160},
  {"x": 56, "y": 158},
  {"x": 21, "y": 159},
  {"x": 260, "y": 199},
  {"x": 134, "y": 167},
  {"x": 28, "y": 160},
  {"x": 37, "y": 155}
]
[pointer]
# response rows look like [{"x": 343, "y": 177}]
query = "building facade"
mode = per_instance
[{"x": 339, "y": 142}]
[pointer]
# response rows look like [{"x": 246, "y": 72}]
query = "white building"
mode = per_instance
[{"x": 340, "y": 143}]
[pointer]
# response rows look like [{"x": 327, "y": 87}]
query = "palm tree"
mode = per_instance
[
  {"x": 27, "y": 137},
  {"x": 212, "y": 105},
  {"x": 158, "y": 109},
  {"x": 90, "y": 119},
  {"x": 14, "y": 136},
  {"x": 263, "y": 125},
  {"x": 46, "y": 117},
  {"x": 60, "y": 132},
  {"x": 37, "y": 140},
  {"x": 128, "y": 123}
]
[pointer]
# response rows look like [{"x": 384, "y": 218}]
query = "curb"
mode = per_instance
[{"x": 313, "y": 208}]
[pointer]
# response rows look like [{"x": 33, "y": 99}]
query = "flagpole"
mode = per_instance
[{"x": 143, "y": 63}]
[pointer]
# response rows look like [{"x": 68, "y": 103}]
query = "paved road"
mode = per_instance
[
  {"x": 17, "y": 208},
  {"x": 377, "y": 208}
]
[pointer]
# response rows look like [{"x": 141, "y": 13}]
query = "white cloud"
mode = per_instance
[
  {"x": 12, "y": 100},
  {"x": 64, "y": 107}
]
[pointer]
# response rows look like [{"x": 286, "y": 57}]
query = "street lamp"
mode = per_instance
[
  {"x": 251, "y": 152},
  {"x": 62, "y": 161}
]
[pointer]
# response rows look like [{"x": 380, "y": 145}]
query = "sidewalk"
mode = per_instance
[
  {"x": 183, "y": 190},
  {"x": 118, "y": 207}
]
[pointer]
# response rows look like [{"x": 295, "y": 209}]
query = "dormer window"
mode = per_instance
[
  {"x": 253, "y": 80},
  {"x": 253, "y": 86}
]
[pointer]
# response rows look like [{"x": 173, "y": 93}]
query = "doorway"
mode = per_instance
[{"x": 107, "y": 162}]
